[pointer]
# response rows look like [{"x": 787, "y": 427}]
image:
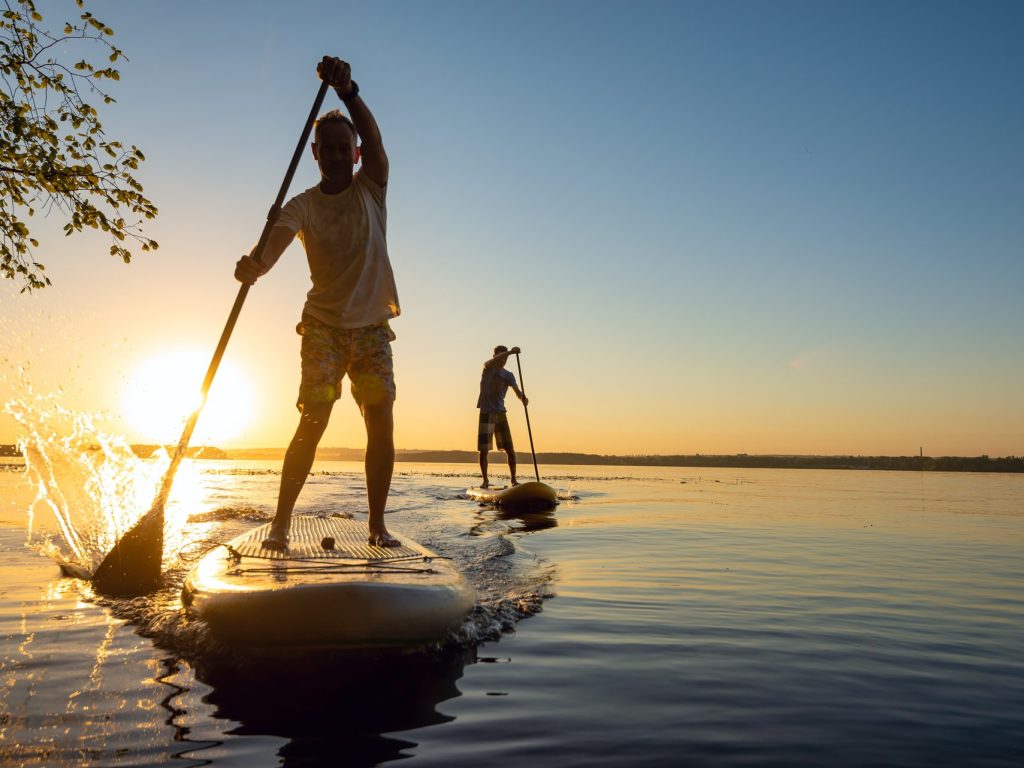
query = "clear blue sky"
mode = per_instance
[{"x": 712, "y": 226}]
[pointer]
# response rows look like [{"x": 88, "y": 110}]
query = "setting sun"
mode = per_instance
[{"x": 165, "y": 389}]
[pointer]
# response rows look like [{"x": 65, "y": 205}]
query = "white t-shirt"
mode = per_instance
[{"x": 344, "y": 238}]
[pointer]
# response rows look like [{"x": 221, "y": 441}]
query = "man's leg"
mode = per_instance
[
  {"x": 503, "y": 436},
  {"x": 298, "y": 460},
  {"x": 483, "y": 470},
  {"x": 380, "y": 465},
  {"x": 484, "y": 432}
]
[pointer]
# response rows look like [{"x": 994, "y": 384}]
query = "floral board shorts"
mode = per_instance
[
  {"x": 493, "y": 424},
  {"x": 329, "y": 353}
]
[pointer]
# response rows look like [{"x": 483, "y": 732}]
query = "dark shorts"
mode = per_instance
[
  {"x": 493, "y": 424},
  {"x": 329, "y": 353}
]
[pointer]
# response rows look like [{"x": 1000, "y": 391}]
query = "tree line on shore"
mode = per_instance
[
  {"x": 142, "y": 450},
  {"x": 750, "y": 461},
  {"x": 743, "y": 460}
]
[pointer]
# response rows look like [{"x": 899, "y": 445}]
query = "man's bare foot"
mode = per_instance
[
  {"x": 485, "y": 484},
  {"x": 514, "y": 481},
  {"x": 277, "y": 539},
  {"x": 276, "y": 543},
  {"x": 383, "y": 539}
]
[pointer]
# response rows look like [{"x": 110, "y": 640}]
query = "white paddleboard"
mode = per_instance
[{"x": 351, "y": 595}]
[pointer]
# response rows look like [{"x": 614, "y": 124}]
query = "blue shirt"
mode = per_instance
[{"x": 494, "y": 383}]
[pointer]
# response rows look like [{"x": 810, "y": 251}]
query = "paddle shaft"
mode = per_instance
[
  {"x": 121, "y": 567},
  {"x": 526, "y": 410},
  {"x": 236, "y": 309}
]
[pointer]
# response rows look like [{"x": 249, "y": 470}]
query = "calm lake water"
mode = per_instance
[{"x": 661, "y": 616}]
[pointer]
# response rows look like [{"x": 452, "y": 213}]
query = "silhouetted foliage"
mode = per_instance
[{"x": 53, "y": 151}]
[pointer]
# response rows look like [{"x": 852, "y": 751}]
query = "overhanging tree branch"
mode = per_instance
[{"x": 54, "y": 153}]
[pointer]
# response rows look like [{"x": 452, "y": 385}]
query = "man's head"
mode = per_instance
[
  {"x": 335, "y": 149},
  {"x": 499, "y": 350}
]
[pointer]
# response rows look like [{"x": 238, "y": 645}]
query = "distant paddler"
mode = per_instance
[
  {"x": 493, "y": 425},
  {"x": 494, "y": 383}
]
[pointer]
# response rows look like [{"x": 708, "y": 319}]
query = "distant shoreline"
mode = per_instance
[
  {"x": 746, "y": 461},
  {"x": 741, "y": 460}
]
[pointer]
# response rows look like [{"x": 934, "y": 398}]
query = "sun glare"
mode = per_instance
[{"x": 164, "y": 390}]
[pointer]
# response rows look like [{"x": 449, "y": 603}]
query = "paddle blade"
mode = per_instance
[{"x": 133, "y": 566}]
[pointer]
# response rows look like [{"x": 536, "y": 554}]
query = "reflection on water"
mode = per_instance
[
  {"x": 311, "y": 706},
  {"x": 65, "y": 697},
  {"x": 491, "y": 517},
  {"x": 335, "y": 703},
  {"x": 530, "y": 521}
]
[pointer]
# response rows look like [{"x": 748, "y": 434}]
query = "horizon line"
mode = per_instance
[
  {"x": 739, "y": 454},
  {"x": 11, "y": 449}
]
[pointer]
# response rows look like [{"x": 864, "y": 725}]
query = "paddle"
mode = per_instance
[
  {"x": 522, "y": 386},
  {"x": 132, "y": 567}
]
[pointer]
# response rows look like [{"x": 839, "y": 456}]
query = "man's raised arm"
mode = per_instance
[{"x": 375, "y": 160}]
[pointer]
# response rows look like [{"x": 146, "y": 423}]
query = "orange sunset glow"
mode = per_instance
[{"x": 165, "y": 389}]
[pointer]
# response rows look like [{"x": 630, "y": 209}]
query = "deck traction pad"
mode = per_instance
[{"x": 307, "y": 533}]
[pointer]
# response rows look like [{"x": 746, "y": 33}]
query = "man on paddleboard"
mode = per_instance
[
  {"x": 342, "y": 225},
  {"x": 494, "y": 383}
]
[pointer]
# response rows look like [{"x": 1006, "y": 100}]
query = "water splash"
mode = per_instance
[{"x": 90, "y": 487}]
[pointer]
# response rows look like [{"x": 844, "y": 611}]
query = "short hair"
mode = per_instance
[
  {"x": 334, "y": 116},
  {"x": 500, "y": 348}
]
